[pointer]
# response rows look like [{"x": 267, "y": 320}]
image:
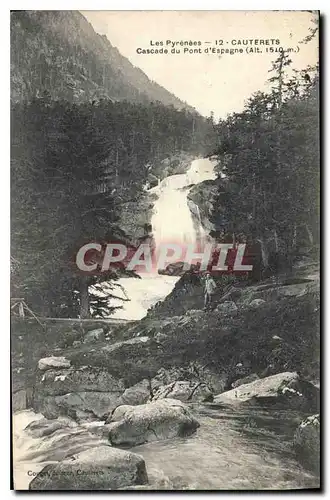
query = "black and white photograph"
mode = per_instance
[{"x": 165, "y": 250}]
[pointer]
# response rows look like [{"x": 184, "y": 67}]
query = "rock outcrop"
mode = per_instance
[
  {"x": 81, "y": 393},
  {"x": 138, "y": 394},
  {"x": 282, "y": 389},
  {"x": 53, "y": 362},
  {"x": 94, "y": 335},
  {"x": 75, "y": 379}
]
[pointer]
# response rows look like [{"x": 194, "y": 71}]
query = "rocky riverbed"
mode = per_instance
[{"x": 223, "y": 399}]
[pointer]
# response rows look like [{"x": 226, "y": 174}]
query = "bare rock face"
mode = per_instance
[
  {"x": 53, "y": 362},
  {"x": 75, "y": 379},
  {"x": 137, "y": 394},
  {"x": 275, "y": 389},
  {"x": 84, "y": 405},
  {"x": 161, "y": 419},
  {"x": 79, "y": 392},
  {"x": 257, "y": 302},
  {"x": 99, "y": 468},
  {"x": 185, "y": 391},
  {"x": 306, "y": 442},
  {"x": 245, "y": 380},
  {"x": 19, "y": 400},
  {"x": 94, "y": 335}
]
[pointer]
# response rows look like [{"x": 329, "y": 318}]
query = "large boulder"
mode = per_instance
[
  {"x": 161, "y": 419},
  {"x": 306, "y": 442},
  {"x": 186, "y": 391},
  {"x": 53, "y": 362},
  {"x": 74, "y": 379},
  {"x": 80, "y": 406},
  {"x": 82, "y": 393},
  {"x": 195, "y": 373},
  {"x": 137, "y": 394},
  {"x": 283, "y": 389},
  {"x": 19, "y": 400},
  {"x": 118, "y": 346},
  {"x": 95, "y": 404},
  {"x": 99, "y": 468}
]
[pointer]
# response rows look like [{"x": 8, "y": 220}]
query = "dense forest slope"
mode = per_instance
[{"x": 59, "y": 54}]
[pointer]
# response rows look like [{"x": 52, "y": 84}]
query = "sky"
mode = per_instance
[{"x": 208, "y": 82}]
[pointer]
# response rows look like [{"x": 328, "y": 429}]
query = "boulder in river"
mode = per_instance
[
  {"x": 283, "y": 388},
  {"x": 99, "y": 468},
  {"x": 53, "y": 362},
  {"x": 161, "y": 419},
  {"x": 185, "y": 391},
  {"x": 306, "y": 442}
]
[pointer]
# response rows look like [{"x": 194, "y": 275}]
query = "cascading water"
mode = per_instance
[{"x": 172, "y": 222}]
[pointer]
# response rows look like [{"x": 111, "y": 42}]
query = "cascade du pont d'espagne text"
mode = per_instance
[{"x": 219, "y": 46}]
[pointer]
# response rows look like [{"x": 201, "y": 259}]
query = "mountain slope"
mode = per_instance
[{"x": 58, "y": 53}]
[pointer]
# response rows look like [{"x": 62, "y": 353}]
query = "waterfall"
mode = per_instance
[{"x": 172, "y": 222}]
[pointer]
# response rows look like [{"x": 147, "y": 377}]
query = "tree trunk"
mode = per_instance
[
  {"x": 264, "y": 253},
  {"x": 310, "y": 234},
  {"x": 84, "y": 299},
  {"x": 276, "y": 240},
  {"x": 294, "y": 237}
]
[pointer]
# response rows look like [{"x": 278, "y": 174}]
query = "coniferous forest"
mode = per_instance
[{"x": 270, "y": 155}]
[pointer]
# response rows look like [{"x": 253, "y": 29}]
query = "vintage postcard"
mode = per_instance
[{"x": 165, "y": 281}]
